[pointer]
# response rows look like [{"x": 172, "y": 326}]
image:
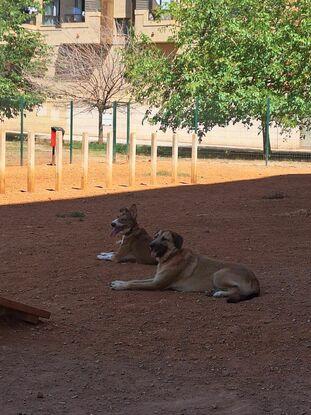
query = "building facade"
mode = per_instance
[{"x": 85, "y": 21}]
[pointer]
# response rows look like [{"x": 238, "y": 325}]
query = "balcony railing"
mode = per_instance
[{"x": 49, "y": 20}]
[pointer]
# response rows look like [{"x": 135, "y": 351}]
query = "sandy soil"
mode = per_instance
[{"x": 140, "y": 353}]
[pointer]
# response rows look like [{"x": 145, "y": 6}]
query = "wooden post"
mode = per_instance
[
  {"x": 2, "y": 161},
  {"x": 59, "y": 160},
  {"x": 31, "y": 163},
  {"x": 194, "y": 158},
  {"x": 154, "y": 155},
  {"x": 85, "y": 160},
  {"x": 175, "y": 159},
  {"x": 109, "y": 160},
  {"x": 132, "y": 159}
]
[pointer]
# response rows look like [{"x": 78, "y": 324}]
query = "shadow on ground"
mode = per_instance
[{"x": 140, "y": 353}]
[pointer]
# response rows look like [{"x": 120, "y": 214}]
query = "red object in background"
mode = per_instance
[
  {"x": 53, "y": 138},
  {"x": 53, "y": 135}
]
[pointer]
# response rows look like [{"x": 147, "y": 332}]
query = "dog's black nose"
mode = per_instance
[
  {"x": 151, "y": 244},
  {"x": 113, "y": 224}
]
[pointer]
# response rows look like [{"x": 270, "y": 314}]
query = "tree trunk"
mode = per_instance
[{"x": 100, "y": 127}]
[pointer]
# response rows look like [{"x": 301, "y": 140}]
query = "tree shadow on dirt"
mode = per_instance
[{"x": 161, "y": 351}]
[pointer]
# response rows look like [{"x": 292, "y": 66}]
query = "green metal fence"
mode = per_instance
[{"x": 205, "y": 150}]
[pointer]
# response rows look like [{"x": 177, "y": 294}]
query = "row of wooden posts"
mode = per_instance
[{"x": 109, "y": 160}]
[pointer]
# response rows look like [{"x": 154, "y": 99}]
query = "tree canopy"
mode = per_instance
[
  {"x": 22, "y": 58},
  {"x": 230, "y": 55}
]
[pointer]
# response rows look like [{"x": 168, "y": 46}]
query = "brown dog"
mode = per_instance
[
  {"x": 182, "y": 270},
  {"x": 134, "y": 245}
]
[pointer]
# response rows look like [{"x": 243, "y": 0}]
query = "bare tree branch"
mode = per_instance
[{"x": 91, "y": 74}]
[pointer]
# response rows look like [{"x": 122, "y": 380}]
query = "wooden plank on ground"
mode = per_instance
[{"x": 23, "y": 311}]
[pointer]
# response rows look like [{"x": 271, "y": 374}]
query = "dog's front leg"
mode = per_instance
[
  {"x": 115, "y": 256},
  {"x": 147, "y": 284},
  {"x": 160, "y": 281}
]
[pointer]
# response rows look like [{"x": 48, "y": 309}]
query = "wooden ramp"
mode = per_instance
[{"x": 22, "y": 311}]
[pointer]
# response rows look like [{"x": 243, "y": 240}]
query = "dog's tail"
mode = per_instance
[{"x": 237, "y": 296}]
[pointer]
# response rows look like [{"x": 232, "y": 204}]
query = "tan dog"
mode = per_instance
[
  {"x": 134, "y": 245},
  {"x": 182, "y": 270}
]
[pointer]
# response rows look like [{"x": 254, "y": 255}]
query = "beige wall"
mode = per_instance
[
  {"x": 123, "y": 9},
  {"x": 84, "y": 32},
  {"x": 40, "y": 120},
  {"x": 158, "y": 31}
]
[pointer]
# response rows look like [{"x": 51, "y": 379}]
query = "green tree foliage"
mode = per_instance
[
  {"x": 22, "y": 58},
  {"x": 232, "y": 55}
]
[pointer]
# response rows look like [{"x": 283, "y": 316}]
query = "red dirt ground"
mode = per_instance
[{"x": 165, "y": 353}]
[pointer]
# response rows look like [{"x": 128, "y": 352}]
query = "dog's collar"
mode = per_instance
[
  {"x": 131, "y": 231},
  {"x": 171, "y": 255}
]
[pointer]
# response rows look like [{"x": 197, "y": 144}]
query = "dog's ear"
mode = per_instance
[
  {"x": 178, "y": 240},
  {"x": 124, "y": 210},
  {"x": 133, "y": 211}
]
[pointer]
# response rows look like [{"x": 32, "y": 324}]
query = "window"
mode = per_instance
[
  {"x": 51, "y": 13},
  {"x": 64, "y": 11},
  {"x": 123, "y": 26}
]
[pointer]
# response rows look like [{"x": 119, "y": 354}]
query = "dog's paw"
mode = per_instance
[
  {"x": 220, "y": 294},
  {"x": 118, "y": 285},
  {"x": 209, "y": 293},
  {"x": 106, "y": 256}
]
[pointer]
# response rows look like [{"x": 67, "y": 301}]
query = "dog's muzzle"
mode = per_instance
[
  {"x": 116, "y": 228},
  {"x": 157, "y": 250}
]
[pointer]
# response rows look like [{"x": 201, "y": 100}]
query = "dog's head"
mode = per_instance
[
  {"x": 125, "y": 221},
  {"x": 164, "y": 243}
]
